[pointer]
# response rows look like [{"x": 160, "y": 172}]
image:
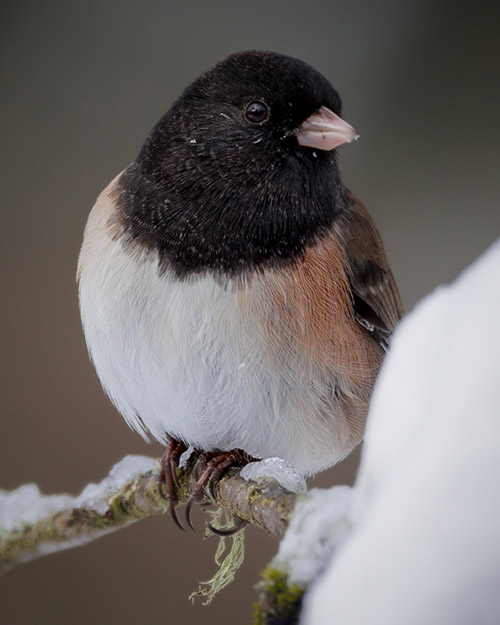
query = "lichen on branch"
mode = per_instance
[{"x": 33, "y": 525}]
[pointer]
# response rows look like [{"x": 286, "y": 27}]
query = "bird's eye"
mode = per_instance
[{"x": 257, "y": 112}]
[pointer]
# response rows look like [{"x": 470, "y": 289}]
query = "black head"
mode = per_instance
[{"x": 222, "y": 183}]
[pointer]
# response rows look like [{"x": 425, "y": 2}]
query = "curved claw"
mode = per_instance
[
  {"x": 174, "y": 517},
  {"x": 187, "y": 513},
  {"x": 214, "y": 478},
  {"x": 167, "y": 478}
]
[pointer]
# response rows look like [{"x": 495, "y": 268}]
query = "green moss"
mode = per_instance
[
  {"x": 279, "y": 602},
  {"x": 253, "y": 495},
  {"x": 117, "y": 507}
]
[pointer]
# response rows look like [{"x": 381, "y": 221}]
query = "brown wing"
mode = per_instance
[{"x": 376, "y": 298}]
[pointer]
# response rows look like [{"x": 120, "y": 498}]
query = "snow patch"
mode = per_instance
[
  {"x": 320, "y": 522},
  {"x": 277, "y": 469},
  {"x": 26, "y": 506},
  {"x": 185, "y": 456},
  {"x": 96, "y": 496}
]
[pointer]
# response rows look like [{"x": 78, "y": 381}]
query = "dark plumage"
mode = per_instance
[{"x": 211, "y": 190}]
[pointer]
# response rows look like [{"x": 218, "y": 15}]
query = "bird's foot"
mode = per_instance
[
  {"x": 215, "y": 464},
  {"x": 167, "y": 479}
]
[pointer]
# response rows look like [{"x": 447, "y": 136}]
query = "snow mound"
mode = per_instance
[
  {"x": 425, "y": 547},
  {"x": 319, "y": 524}
]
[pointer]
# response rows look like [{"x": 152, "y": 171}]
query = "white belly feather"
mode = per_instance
[{"x": 183, "y": 358}]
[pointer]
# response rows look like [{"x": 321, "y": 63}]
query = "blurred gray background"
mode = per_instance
[{"x": 82, "y": 83}]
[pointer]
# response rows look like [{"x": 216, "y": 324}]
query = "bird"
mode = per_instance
[{"x": 235, "y": 295}]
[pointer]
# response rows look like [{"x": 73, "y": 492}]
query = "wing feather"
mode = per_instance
[{"x": 376, "y": 297}]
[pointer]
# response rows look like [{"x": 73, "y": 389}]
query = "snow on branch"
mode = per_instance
[
  {"x": 268, "y": 494},
  {"x": 33, "y": 525}
]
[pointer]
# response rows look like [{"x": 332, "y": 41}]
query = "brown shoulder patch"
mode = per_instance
[
  {"x": 311, "y": 304},
  {"x": 307, "y": 317}
]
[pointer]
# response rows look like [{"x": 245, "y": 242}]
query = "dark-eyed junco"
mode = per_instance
[{"x": 235, "y": 295}]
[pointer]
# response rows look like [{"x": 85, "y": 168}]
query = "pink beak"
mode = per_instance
[{"x": 324, "y": 130}]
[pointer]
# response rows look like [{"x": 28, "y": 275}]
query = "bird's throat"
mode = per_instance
[{"x": 227, "y": 231}]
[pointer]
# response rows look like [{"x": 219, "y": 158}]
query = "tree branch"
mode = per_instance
[
  {"x": 130, "y": 493},
  {"x": 33, "y": 525}
]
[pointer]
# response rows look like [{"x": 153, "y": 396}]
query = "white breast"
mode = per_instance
[{"x": 185, "y": 358}]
